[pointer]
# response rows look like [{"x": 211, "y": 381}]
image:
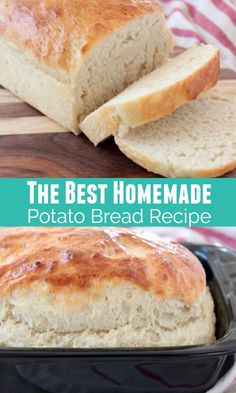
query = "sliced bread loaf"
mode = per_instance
[
  {"x": 198, "y": 140},
  {"x": 180, "y": 80},
  {"x": 67, "y": 58}
]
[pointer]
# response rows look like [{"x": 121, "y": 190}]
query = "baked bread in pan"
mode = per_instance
[
  {"x": 66, "y": 58},
  {"x": 88, "y": 288}
]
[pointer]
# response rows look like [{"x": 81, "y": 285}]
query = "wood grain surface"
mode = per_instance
[{"x": 33, "y": 146}]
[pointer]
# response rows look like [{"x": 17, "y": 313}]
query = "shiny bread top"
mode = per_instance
[
  {"x": 82, "y": 258},
  {"x": 60, "y": 32}
]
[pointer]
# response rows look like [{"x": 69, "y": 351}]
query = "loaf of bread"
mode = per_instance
[
  {"x": 68, "y": 58},
  {"x": 178, "y": 81},
  {"x": 88, "y": 288},
  {"x": 198, "y": 140}
]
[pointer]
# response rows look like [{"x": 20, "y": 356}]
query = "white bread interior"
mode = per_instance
[{"x": 122, "y": 316}]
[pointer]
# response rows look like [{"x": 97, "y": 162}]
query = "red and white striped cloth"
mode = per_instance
[
  {"x": 204, "y": 21},
  {"x": 219, "y": 236}
]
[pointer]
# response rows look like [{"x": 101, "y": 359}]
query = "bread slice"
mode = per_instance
[
  {"x": 180, "y": 80},
  {"x": 198, "y": 140},
  {"x": 68, "y": 58}
]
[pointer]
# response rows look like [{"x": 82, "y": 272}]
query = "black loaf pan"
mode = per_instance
[{"x": 190, "y": 369}]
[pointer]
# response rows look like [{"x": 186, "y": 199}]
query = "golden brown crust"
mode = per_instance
[
  {"x": 216, "y": 172},
  {"x": 51, "y": 28},
  {"x": 83, "y": 258}
]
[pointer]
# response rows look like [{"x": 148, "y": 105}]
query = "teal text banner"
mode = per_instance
[{"x": 117, "y": 202}]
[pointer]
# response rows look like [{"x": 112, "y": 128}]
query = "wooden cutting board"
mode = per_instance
[{"x": 31, "y": 145}]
